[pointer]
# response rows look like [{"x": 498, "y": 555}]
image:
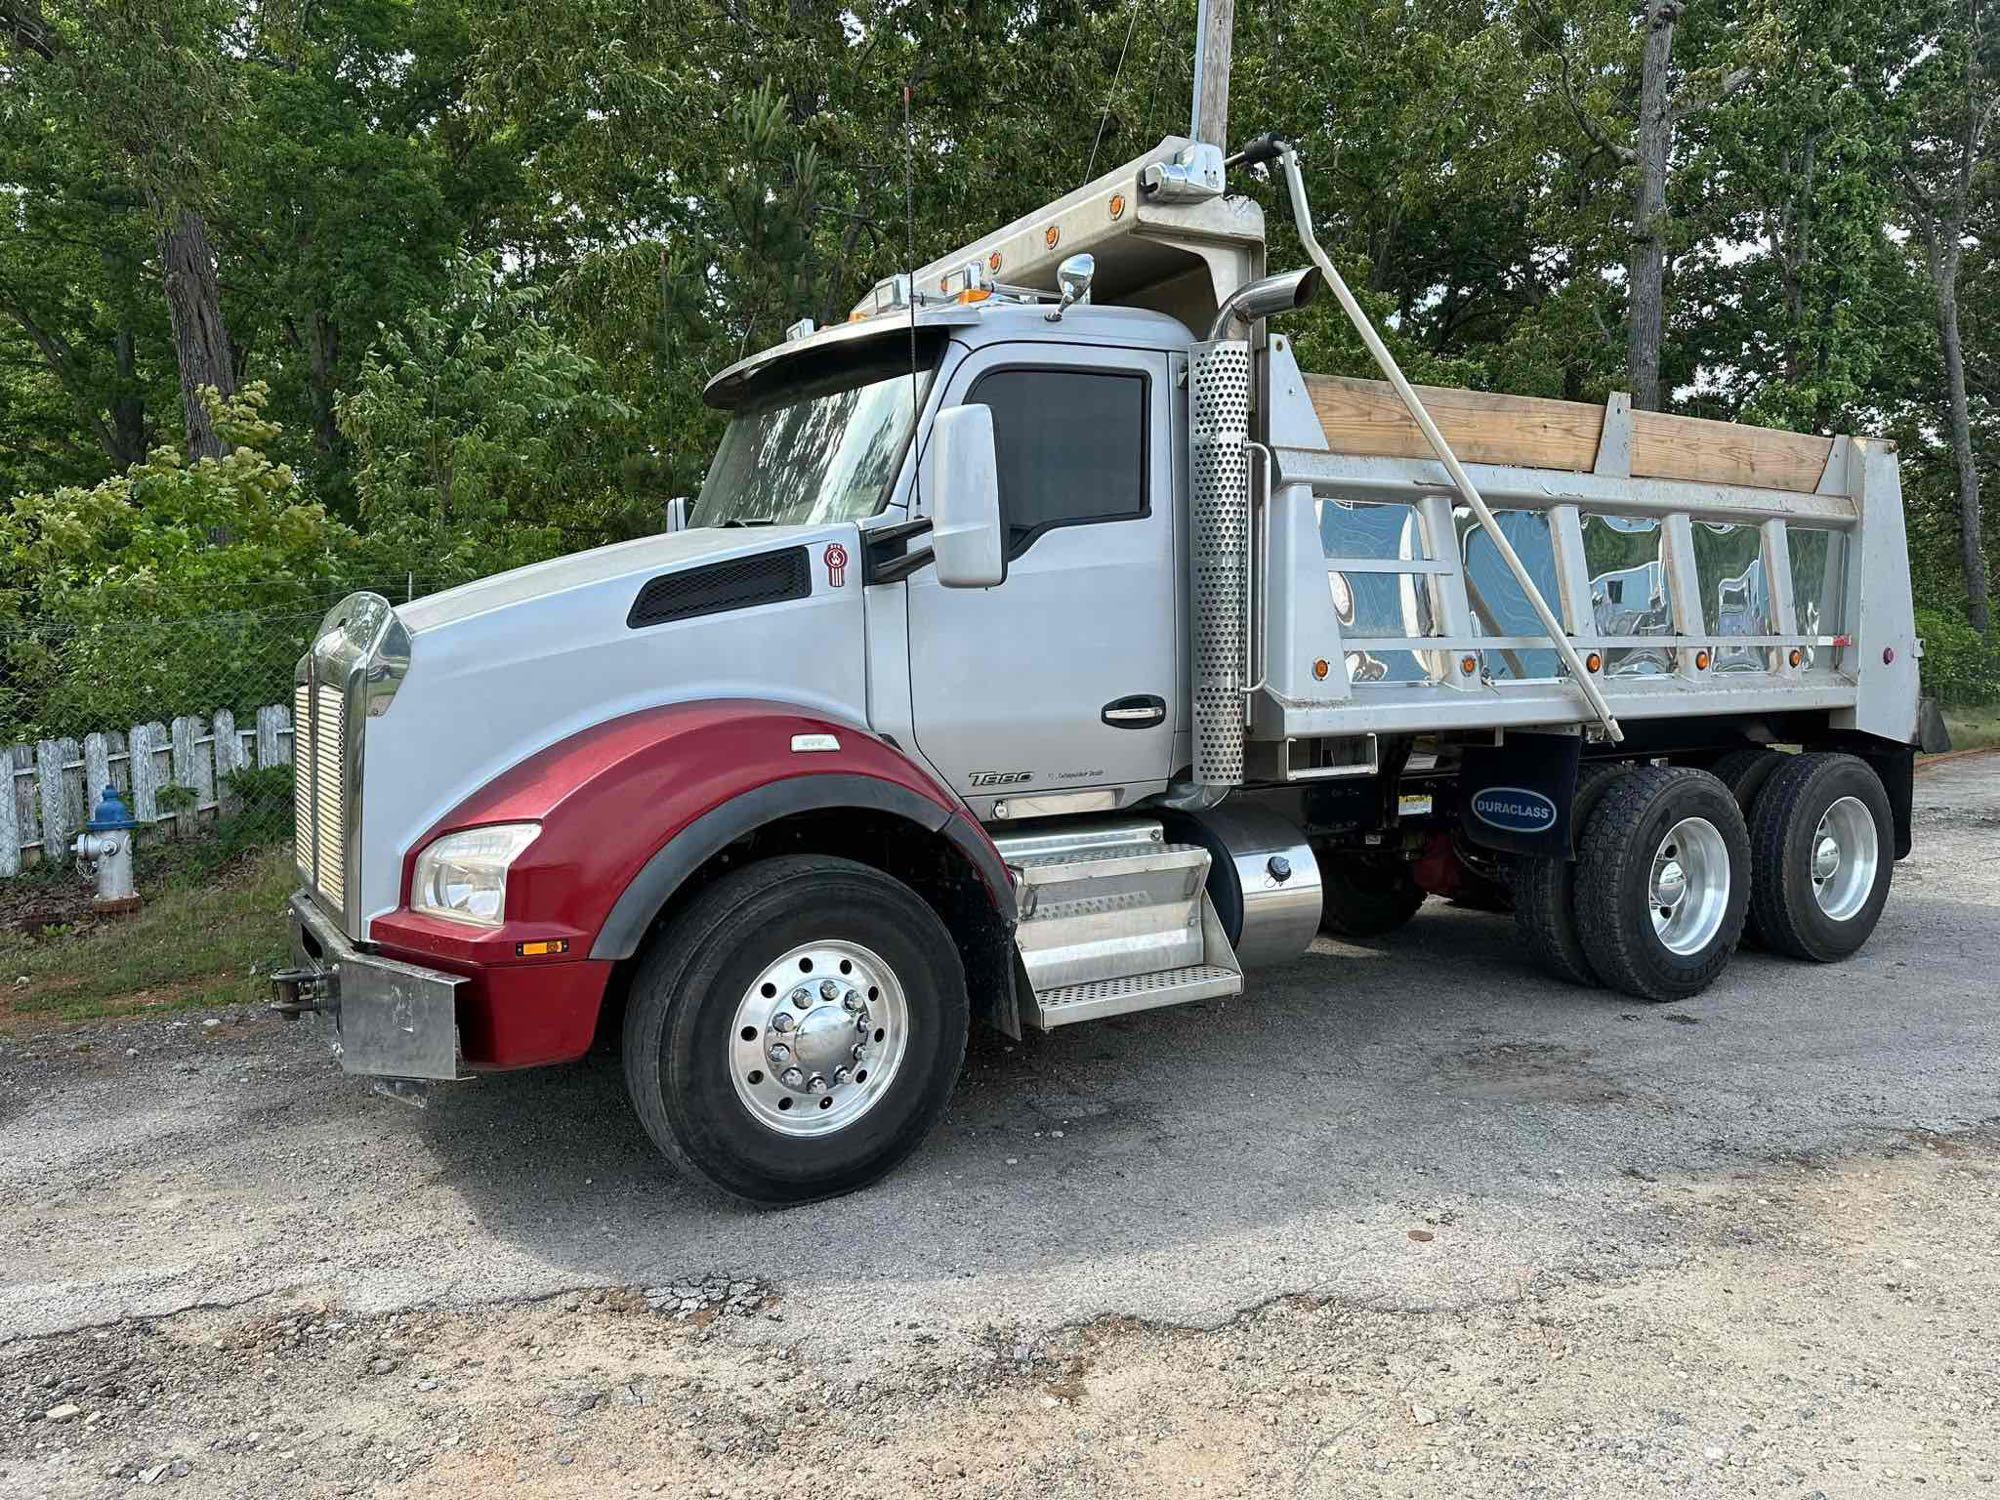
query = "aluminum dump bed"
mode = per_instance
[{"x": 1698, "y": 567}]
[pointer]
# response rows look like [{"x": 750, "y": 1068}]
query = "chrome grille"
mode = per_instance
[
  {"x": 319, "y": 789},
  {"x": 302, "y": 818}
]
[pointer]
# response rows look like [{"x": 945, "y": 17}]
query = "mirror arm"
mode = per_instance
[
  {"x": 896, "y": 569},
  {"x": 888, "y": 561}
]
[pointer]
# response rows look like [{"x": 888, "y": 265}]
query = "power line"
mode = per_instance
[{"x": 1111, "y": 94}]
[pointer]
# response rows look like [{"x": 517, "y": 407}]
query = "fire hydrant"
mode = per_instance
[{"x": 106, "y": 843}]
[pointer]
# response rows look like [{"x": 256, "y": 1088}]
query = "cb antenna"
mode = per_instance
[{"x": 910, "y": 280}]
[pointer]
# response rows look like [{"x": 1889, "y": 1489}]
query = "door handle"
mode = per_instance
[{"x": 1140, "y": 711}]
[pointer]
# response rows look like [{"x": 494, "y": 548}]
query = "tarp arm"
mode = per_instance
[{"x": 1266, "y": 149}]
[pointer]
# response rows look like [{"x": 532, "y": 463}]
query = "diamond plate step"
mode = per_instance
[
  {"x": 1114, "y": 918},
  {"x": 1070, "y": 1003}
]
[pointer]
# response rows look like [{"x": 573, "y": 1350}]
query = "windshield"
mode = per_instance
[{"x": 828, "y": 451}]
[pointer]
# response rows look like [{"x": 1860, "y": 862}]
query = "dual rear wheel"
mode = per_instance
[{"x": 1674, "y": 863}]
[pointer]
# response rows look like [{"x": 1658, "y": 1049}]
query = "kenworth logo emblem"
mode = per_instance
[{"x": 1514, "y": 808}]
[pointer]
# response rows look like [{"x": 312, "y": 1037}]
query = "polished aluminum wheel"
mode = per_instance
[
  {"x": 1845, "y": 855},
  {"x": 1689, "y": 887},
  {"x": 818, "y": 1038}
]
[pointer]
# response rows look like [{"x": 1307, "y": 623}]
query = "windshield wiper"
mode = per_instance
[{"x": 751, "y": 521}]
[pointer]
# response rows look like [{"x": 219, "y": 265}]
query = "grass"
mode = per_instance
[
  {"x": 202, "y": 938},
  {"x": 1973, "y": 728}
]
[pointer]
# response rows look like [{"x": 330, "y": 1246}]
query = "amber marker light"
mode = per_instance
[
  {"x": 544, "y": 948},
  {"x": 1797, "y": 656},
  {"x": 1701, "y": 660},
  {"x": 1468, "y": 665},
  {"x": 1594, "y": 662},
  {"x": 1320, "y": 669}
]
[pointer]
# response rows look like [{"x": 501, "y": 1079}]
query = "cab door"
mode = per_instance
[{"x": 1064, "y": 677}]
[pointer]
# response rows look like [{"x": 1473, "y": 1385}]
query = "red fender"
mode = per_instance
[{"x": 628, "y": 809}]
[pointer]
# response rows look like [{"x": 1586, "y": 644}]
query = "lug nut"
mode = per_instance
[
  {"x": 828, "y": 989},
  {"x": 782, "y": 1021},
  {"x": 861, "y": 1024},
  {"x": 860, "y": 1051},
  {"x": 851, "y": 1000},
  {"x": 840, "y": 1075},
  {"x": 816, "y": 1083},
  {"x": 792, "y": 1078},
  {"x": 780, "y": 1053},
  {"x": 802, "y": 998}
]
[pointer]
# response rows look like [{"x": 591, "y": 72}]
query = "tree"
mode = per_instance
[
  {"x": 147, "y": 83},
  {"x": 72, "y": 300},
  {"x": 1943, "y": 106},
  {"x": 483, "y": 436},
  {"x": 1667, "y": 95}
]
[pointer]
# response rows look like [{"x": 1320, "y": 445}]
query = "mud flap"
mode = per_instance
[{"x": 1516, "y": 796}]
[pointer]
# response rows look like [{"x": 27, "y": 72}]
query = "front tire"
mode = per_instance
[
  {"x": 1663, "y": 882},
  {"x": 1820, "y": 842},
  {"x": 746, "y": 1013}
]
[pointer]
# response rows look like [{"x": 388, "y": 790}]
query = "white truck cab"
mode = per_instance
[{"x": 1046, "y": 645}]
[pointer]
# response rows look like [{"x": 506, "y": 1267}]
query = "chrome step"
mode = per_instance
[{"x": 1114, "y": 918}]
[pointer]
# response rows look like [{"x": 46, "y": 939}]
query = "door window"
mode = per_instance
[{"x": 1071, "y": 446}]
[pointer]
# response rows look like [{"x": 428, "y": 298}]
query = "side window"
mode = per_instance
[{"x": 1071, "y": 446}]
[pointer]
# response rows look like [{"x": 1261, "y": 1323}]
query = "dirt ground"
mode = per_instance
[{"x": 1409, "y": 1221}]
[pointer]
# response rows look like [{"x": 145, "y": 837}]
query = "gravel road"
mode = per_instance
[{"x": 1405, "y": 1220}]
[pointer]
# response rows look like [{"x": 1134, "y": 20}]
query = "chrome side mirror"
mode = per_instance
[
  {"x": 677, "y": 514},
  {"x": 961, "y": 477},
  {"x": 1073, "y": 276}
]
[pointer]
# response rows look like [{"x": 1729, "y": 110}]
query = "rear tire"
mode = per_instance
[
  {"x": 1744, "y": 772},
  {"x": 1545, "y": 891},
  {"x": 720, "y": 987},
  {"x": 1821, "y": 847},
  {"x": 1366, "y": 895},
  {"x": 1662, "y": 883}
]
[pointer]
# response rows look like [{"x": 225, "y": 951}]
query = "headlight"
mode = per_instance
[{"x": 462, "y": 877}]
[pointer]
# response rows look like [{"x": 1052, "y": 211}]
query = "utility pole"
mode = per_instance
[{"x": 1215, "y": 27}]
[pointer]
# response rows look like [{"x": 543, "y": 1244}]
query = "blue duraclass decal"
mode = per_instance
[{"x": 1514, "y": 808}]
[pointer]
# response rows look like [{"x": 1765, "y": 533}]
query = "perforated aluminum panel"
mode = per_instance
[{"x": 1219, "y": 429}]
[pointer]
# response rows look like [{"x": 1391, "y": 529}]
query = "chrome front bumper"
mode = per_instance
[{"x": 387, "y": 1018}]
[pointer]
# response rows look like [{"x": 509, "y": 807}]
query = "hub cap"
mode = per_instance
[
  {"x": 1689, "y": 889},
  {"x": 818, "y": 1037},
  {"x": 1845, "y": 853}
]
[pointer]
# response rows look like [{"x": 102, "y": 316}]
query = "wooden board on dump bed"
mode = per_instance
[{"x": 1364, "y": 417}]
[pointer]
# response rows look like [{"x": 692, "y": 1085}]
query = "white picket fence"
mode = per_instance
[{"x": 55, "y": 783}]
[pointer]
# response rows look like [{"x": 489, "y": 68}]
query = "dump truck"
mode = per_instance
[{"x": 1045, "y": 645}]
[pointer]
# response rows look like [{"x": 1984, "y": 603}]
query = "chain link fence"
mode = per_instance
[{"x": 186, "y": 715}]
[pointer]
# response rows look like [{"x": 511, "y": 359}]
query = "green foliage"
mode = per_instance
[
  {"x": 164, "y": 589},
  {"x": 479, "y": 431},
  {"x": 483, "y": 258},
  {"x": 1959, "y": 668}
]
